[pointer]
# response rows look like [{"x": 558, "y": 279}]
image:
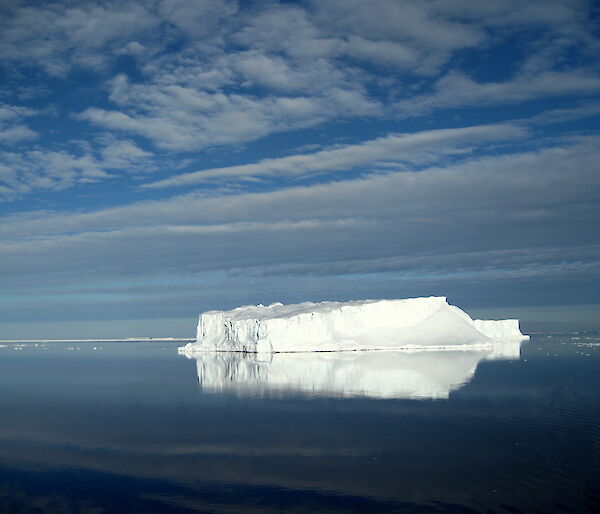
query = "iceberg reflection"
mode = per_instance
[{"x": 430, "y": 374}]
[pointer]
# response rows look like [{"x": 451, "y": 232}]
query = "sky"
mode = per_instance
[{"x": 161, "y": 158}]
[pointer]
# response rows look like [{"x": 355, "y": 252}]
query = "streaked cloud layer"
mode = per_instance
[{"x": 162, "y": 158}]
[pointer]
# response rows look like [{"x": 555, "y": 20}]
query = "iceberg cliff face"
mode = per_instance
[
  {"x": 500, "y": 330},
  {"x": 359, "y": 325}
]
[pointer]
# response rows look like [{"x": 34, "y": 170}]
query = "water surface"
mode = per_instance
[{"x": 135, "y": 427}]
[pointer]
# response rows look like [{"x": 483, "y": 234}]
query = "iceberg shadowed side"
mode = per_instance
[{"x": 413, "y": 323}]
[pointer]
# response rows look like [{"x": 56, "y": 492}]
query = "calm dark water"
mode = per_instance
[{"x": 135, "y": 427}]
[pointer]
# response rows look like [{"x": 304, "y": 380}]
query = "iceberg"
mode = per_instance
[
  {"x": 400, "y": 374},
  {"x": 413, "y": 323}
]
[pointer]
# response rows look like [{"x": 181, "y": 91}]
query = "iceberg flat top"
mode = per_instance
[
  {"x": 428, "y": 322},
  {"x": 280, "y": 310}
]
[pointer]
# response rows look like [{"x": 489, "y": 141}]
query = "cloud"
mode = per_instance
[
  {"x": 58, "y": 37},
  {"x": 210, "y": 74},
  {"x": 177, "y": 117},
  {"x": 46, "y": 170},
  {"x": 287, "y": 30},
  {"x": 401, "y": 149},
  {"x": 12, "y": 130},
  {"x": 16, "y": 134},
  {"x": 196, "y": 19},
  {"x": 180, "y": 85},
  {"x": 413, "y": 25},
  {"x": 11, "y": 112},
  {"x": 456, "y": 89},
  {"x": 384, "y": 53},
  {"x": 283, "y": 75},
  {"x": 124, "y": 155},
  {"x": 54, "y": 170},
  {"x": 292, "y": 67},
  {"x": 486, "y": 205},
  {"x": 585, "y": 110}
]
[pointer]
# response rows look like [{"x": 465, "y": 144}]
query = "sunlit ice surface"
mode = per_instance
[{"x": 408, "y": 323}]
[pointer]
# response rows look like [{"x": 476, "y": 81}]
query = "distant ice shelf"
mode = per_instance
[{"x": 412, "y": 323}]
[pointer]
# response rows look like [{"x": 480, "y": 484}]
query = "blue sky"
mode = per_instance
[{"x": 164, "y": 157}]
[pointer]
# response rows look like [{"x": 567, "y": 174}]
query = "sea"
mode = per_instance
[{"x": 140, "y": 427}]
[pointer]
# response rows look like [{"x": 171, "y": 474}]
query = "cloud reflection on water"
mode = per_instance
[{"x": 431, "y": 374}]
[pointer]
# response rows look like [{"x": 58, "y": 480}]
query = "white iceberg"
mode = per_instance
[
  {"x": 413, "y": 323},
  {"x": 381, "y": 374}
]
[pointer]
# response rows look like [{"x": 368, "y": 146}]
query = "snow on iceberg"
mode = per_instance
[
  {"x": 358, "y": 325},
  {"x": 419, "y": 374}
]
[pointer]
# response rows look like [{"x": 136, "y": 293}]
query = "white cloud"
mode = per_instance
[
  {"x": 167, "y": 84},
  {"x": 287, "y": 30},
  {"x": 185, "y": 118},
  {"x": 47, "y": 170},
  {"x": 401, "y": 149},
  {"x": 293, "y": 67},
  {"x": 132, "y": 48},
  {"x": 124, "y": 155},
  {"x": 413, "y": 31},
  {"x": 197, "y": 19},
  {"x": 12, "y": 130},
  {"x": 412, "y": 21},
  {"x": 11, "y": 112},
  {"x": 456, "y": 89},
  {"x": 16, "y": 134},
  {"x": 585, "y": 110},
  {"x": 257, "y": 68},
  {"x": 483, "y": 205},
  {"x": 211, "y": 73},
  {"x": 58, "y": 36},
  {"x": 41, "y": 169},
  {"x": 383, "y": 52},
  {"x": 503, "y": 228}
]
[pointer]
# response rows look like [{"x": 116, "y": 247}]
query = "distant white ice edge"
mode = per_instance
[{"x": 411, "y": 324}]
